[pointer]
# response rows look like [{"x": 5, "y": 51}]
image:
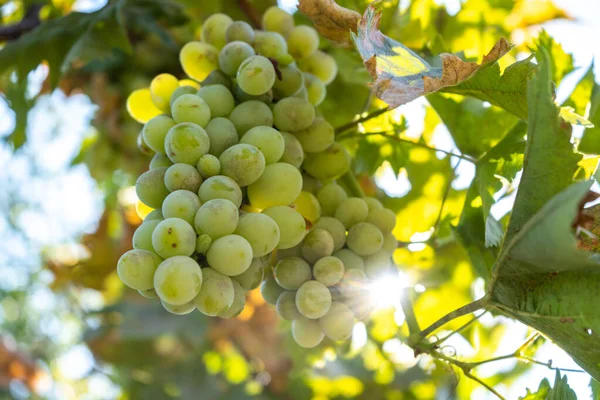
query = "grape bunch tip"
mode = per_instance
[{"x": 242, "y": 183}]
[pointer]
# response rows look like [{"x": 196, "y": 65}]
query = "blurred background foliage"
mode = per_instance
[{"x": 69, "y": 158}]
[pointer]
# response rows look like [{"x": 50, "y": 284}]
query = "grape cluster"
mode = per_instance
[{"x": 231, "y": 207}]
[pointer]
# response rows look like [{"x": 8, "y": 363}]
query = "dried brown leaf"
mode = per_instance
[{"x": 331, "y": 20}]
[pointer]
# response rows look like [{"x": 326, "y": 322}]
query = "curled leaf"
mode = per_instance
[
  {"x": 331, "y": 20},
  {"x": 400, "y": 74}
]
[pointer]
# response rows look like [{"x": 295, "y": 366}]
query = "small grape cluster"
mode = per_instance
[{"x": 226, "y": 185}]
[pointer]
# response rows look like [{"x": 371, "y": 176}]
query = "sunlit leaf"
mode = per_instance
[{"x": 590, "y": 142}]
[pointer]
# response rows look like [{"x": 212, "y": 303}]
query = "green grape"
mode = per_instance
[
  {"x": 310, "y": 184},
  {"x": 142, "y": 237},
  {"x": 268, "y": 140},
  {"x": 239, "y": 31},
  {"x": 290, "y": 82},
  {"x": 186, "y": 143},
  {"x": 360, "y": 304},
  {"x": 156, "y": 130},
  {"x": 378, "y": 264},
  {"x": 313, "y": 299},
  {"x": 383, "y": 218},
  {"x": 329, "y": 164},
  {"x": 232, "y": 56},
  {"x": 155, "y": 215},
  {"x": 317, "y": 137},
  {"x": 364, "y": 238},
  {"x": 249, "y": 114},
  {"x": 182, "y": 309},
  {"x": 181, "y": 204},
  {"x": 292, "y": 151},
  {"x": 182, "y": 177},
  {"x": 321, "y": 65},
  {"x": 230, "y": 255},
  {"x": 352, "y": 211},
  {"x": 256, "y": 75},
  {"x": 261, "y": 231},
  {"x": 242, "y": 96},
  {"x": 353, "y": 282},
  {"x": 272, "y": 45},
  {"x": 328, "y": 270},
  {"x": 199, "y": 59},
  {"x": 338, "y": 323},
  {"x": 252, "y": 277},
  {"x": 148, "y": 293},
  {"x": 286, "y": 306},
  {"x": 271, "y": 290},
  {"x": 390, "y": 243},
  {"x": 315, "y": 89},
  {"x": 216, "y": 218},
  {"x": 295, "y": 251},
  {"x": 335, "y": 228},
  {"x": 276, "y": 20},
  {"x": 219, "y": 100},
  {"x": 191, "y": 108},
  {"x": 290, "y": 273},
  {"x": 214, "y": 28},
  {"x": 243, "y": 163},
  {"x": 350, "y": 259},
  {"x": 308, "y": 206},
  {"x": 150, "y": 187},
  {"x": 217, "y": 77},
  {"x": 209, "y": 165},
  {"x": 220, "y": 187},
  {"x": 174, "y": 237},
  {"x": 293, "y": 114},
  {"x": 136, "y": 268},
  {"x": 279, "y": 185},
  {"x": 203, "y": 243},
  {"x": 302, "y": 94},
  {"x": 317, "y": 244},
  {"x": 216, "y": 295},
  {"x": 143, "y": 146},
  {"x": 177, "y": 280},
  {"x": 239, "y": 301},
  {"x": 222, "y": 135},
  {"x": 160, "y": 160},
  {"x": 291, "y": 223},
  {"x": 373, "y": 203},
  {"x": 307, "y": 333},
  {"x": 331, "y": 196},
  {"x": 302, "y": 42},
  {"x": 180, "y": 91},
  {"x": 161, "y": 90}
]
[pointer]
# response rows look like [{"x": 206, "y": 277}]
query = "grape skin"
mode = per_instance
[
  {"x": 203, "y": 243},
  {"x": 220, "y": 187},
  {"x": 233, "y": 55},
  {"x": 317, "y": 244},
  {"x": 181, "y": 204},
  {"x": 249, "y": 114},
  {"x": 335, "y": 228},
  {"x": 268, "y": 140},
  {"x": 293, "y": 114},
  {"x": 198, "y": 59},
  {"x": 364, "y": 239},
  {"x": 272, "y": 45},
  {"x": 328, "y": 270},
  {"x": 191, "y": 108},
  {"x": 252, "y": 277},
  {"x": 261, "y": 231},
  {"x": 292, "y": 225},
  {"x": 161, "y": 90},
  {"x": 222, "y": 135},
  {"x": 239, "y": 301},
  {"x": 160, "y": 160},
  {"x": 136, "y": 268},
  {"x": 216, "y": 295},
  {"x": 352, "y": 211},
  {"x": 150, "y": 187},
  {"x": 378, "y": 264},
  {"x": 155, "y": 131},
  {"x": 277, "y": 20},
  {"x": 321, "y": 65},
  {"x": 243, "y": 163},
  {"x": 286, "y": 306},
  {"x": 329, "y": 164},
  {"x": 313, "y": 299},
  {"x": 239, "y": 31},
  {"x": 148, "y": 294},
  {"x": 308, "y": 206},
  {"x": 178, "y": 280},
  {"x": 290, "y": 273},
  {"x": 219, "y": 99},
  {"x": 350, "y": 259},
  {"x": 338, "y": 323},
  {"x": 180, "y": 91},
  {"x": 315, "y": 89},
  {"x": 186, "y": 143},
  {"x": 383, "y": 218},
  {"x": 307, "y": 333},
  {"x": 390, "y": 243},
  {"x": 291, "y": 82},
  {"x": 279, "y": 185},
  {"x": 153, "y": 216},
  {"x": 208, "y": 165},
  {"x": 270, "y": 290},
  {"x": 216, "y": 218},
  {"x": 256, "y": 75},
  {"x": 331, "y": 196},
  {"x": 292, "y": 152},
  {"x": 373, "y": 203},
  {"x": 317, "y": 137},
  {"x": 230, "y": 255},
  {"x": 214, "y": 29},
  {"x": 142, "y": 237},
  {"x": 182, "y": 309},
  {"x": 302, "y": 42},
  {"x": 174, "y": 237},
  {"x": 182, "y": 177}
]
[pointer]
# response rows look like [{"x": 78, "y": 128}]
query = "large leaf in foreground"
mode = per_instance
[
  {"x": 560, "y": 391},
  {"x": 590, "y": 142},
  {"x": 400, "y": 74}
]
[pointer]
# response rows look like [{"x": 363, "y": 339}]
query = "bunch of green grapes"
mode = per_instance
[{"x": 235, "y": 145}]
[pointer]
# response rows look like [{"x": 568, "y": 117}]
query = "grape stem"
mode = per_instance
[
  {"x": 250, "y": 12},
  {"x": 459, "y": 312},
  {"x": 352, "y": 124},
  {"x": 351, "y": 183},
  {"x": 409, "y": 312}
]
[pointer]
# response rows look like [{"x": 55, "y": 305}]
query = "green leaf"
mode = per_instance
[
  {"x": 540, "y": 394},
  {"x": 562, "y": 62},
  {"x": 506, "y": 90},
  {"x": 474, "y": 127},
  {"x": 550, "y": 162},
  {"x": 590, "y": 142},
  {"x": 400, "y": 74},
  {"x": 560, "y": 391},
  {"x": 582, "y": 94}
]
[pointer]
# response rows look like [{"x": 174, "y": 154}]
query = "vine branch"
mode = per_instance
[
  {"x": 459, "y": 312},
  {"x": 250, "y": 12},
  {"x": 30, "y": 21},
  {"x": 352, "y": 124}
]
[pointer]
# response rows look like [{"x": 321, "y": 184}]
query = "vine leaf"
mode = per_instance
[
  {"x": 590, "y": 142},
  {"x": 560, "y": 391},
  {"x": 541, "y": 278},
  {"x": 331, "y": 20},
  {"x": 400, "y": 74}
]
